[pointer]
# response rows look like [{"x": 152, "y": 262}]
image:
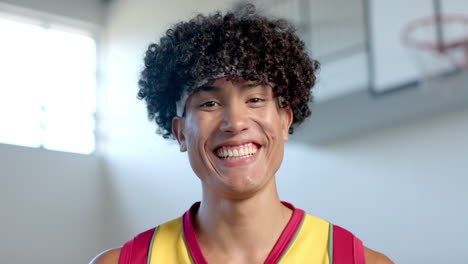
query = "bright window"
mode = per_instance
[{"x": 47, "y": 87}]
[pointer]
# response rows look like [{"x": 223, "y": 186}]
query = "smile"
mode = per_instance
[{"x": 236, "y": 152}]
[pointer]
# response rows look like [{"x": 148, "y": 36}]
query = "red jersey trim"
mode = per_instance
[
  {"x": 358, "y": 248},
  {"x": 287, "y": 236},
  {"x": 347, "y": 248},
  {"x": 281, "y": 246},
  {"x": 136, "y": 250},
  {"x": 190, "y": 237}
]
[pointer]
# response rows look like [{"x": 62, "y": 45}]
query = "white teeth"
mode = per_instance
[
  {"x": 241, "y": 152},
  {"x": 237, "y": 152}
]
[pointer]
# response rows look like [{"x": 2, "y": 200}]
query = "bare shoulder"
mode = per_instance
[
  {"x": 110, "y": 256},
  {"x": 374, "y": 257}
]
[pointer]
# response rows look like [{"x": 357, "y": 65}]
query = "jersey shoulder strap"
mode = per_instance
[
  {"x": 135, "y": 251},
  {"x": 347, "y": 248}
]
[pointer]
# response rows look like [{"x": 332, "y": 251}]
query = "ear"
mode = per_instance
[
  {"x": 178, "y": 124},
  {"x": 286, "y": 115}
]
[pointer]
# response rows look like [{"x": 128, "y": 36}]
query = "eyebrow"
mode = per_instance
[
  {"x": 212, "y": 88},
  {"x": 207, "y": 88},
  {"x": 252, "y": 84}
]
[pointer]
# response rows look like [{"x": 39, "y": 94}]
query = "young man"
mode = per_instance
[{"x": 230, "y": 89}]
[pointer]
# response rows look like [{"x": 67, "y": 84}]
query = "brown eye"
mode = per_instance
[
  {"x": 208, "y": 104},
  {"x": 256, "y": 100}
]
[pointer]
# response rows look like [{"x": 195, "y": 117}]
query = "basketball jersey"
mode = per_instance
[{"x": 305, "y": 239}]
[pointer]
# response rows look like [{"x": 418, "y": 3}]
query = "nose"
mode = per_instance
[{"x": 235, "y": 119}]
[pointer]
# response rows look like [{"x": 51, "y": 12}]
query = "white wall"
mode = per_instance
[
  {"x": 50, "y": 206},
  {"x": 400, "y": 189}
]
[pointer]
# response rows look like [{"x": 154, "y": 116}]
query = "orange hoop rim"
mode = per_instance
[{"x": 432, "y": 20}]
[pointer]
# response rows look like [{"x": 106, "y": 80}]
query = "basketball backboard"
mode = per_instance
[{"x": 394, "y": 63}]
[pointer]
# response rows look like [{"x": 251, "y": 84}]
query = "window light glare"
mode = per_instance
[{"x": 47, "y": 88}]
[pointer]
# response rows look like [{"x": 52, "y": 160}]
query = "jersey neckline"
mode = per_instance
[{"x": 279, "y": 249}]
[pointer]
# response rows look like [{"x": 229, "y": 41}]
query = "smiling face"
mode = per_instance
[{"x": 234, "y": 132}]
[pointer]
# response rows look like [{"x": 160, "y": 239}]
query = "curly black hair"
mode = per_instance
[{"x": 240, "y": 43}]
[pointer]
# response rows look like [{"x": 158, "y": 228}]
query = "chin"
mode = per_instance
[{"x": 240, "y": 187}]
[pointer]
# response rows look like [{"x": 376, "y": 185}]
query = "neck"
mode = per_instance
[{"x": 246, "y": 228}]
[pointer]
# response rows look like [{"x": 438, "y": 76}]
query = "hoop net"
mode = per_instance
[{"x": 438, "y": 45}]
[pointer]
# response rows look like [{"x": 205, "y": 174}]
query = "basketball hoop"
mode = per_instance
[{"x": 439, "y": 44}]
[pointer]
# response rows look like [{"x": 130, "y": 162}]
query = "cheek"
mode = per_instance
[
  {"x": 194, "y": 144},
  {"x": 197, "y": 132},
  {"x": 270, "y": 124},
  {"x": 192, "y": 133}
]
